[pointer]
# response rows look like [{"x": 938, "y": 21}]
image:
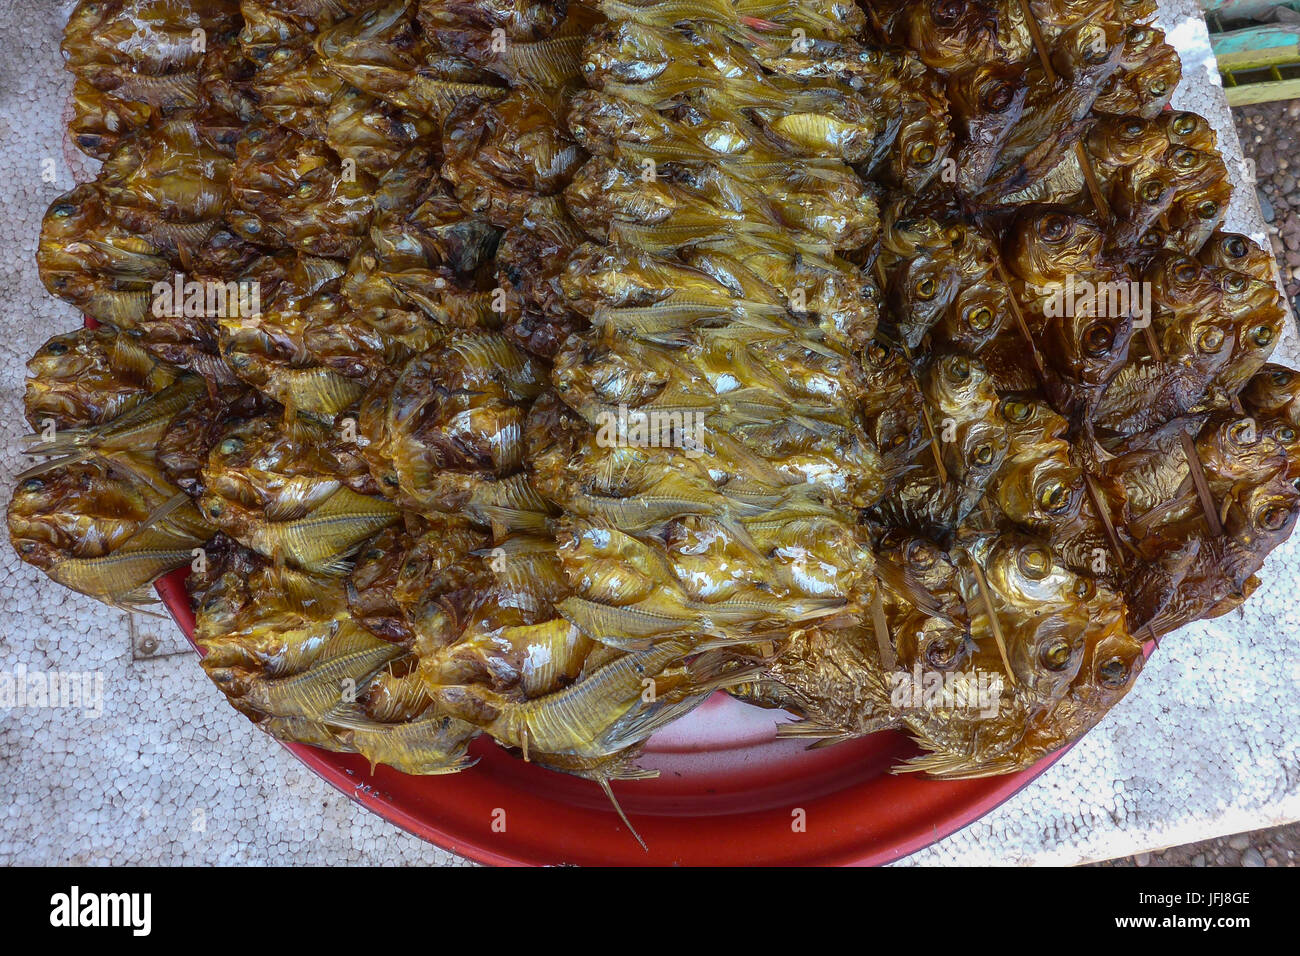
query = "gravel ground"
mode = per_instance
[{"x": 1270, "y": 135}]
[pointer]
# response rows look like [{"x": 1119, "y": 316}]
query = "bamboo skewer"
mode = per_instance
[{"x": 983, "y": 585}]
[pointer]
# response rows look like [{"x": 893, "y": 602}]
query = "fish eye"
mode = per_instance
[
  {"x": 920, "y": 555},
  {"x": 1184, "y": 123},
  {"x": 1054, "y": 497},
  {"x": 215, "y": 509},
  {"x": 1054, "y": 227},
  {"x": 1056, "y": 655},
  {"x": 63, "y": 210},
  {"x": 1098, "y": 338},
  {"x": 374, "y": 554},
  {"x": 947, "y": 12},
  {"x": 230, "y": 446},
  {"x": 1150, "y": 240},
  {"x": 1159, "y": 88},
  {"x": 1184, "y": 158},
  {"x": 1281, "y": 376},
  {"x": 57, "y": 348},
  {"x": 1207, "y": 209},
  {"x": 1244, "y": 433},
  {"x": 1235, "y": 246},
  {"x": 1185, "y": 270},
  {"x": 878, "y": 354},
  {"x": 1234, "y": 282},
  {"x": 1133, "y": 128},
  {"x": 1136, "y": 35},
  {"x": 1113, "y": 673},
  {"x": 1014, "y": 410},
  {"x": 27, "y": 547},
  {"x": 1000, "y": 97},
  {"x": 942, "y": 655},
  {"x": 925, "y": 288},
  {"x": 1262, "y": 336},
  {"x": 980, "y": 319},
  {"x": 1211, "y": 340},
  {"x": 1097, "y": 50},
  {"x": 304, "y": 189},
  {"x": 1152, "y": 190},
  {"x": 1285, "y": 434},
  {"x": 1035, "y": 563},
  {"x": 922, "y": 153},
  {"x": 1273, "y": 517},
  {"x": 898, "y": 440},
  {"x": 1084, "y": 589},
  {"x": 958, "y": 368},
  {"x": 33, "y": 484},
  {"x": 983, "y": 455}
]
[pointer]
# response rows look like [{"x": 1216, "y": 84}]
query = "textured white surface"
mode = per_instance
[{"x": 168, "y": 773}]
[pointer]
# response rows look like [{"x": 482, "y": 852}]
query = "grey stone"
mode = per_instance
[{"x": 1265, "y": 207}]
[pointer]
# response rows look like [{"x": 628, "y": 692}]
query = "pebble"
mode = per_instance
[
  {"x": 1252, "y": 857},
  {"x": 1265, "y": 206},
  {"x": 1239, "y": 841},
  {"x": 1142, "y": 859}
]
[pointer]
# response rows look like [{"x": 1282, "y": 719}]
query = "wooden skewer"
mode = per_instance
[
  {"x": 929, "y": 423},
  {"x": 1040, "y": 47},
  {"x": 994, "y": 623},
  {"x": 1021, "y": 323},
  {"x": 880, "y": 624},
  {"x": 925, "y": 409}
]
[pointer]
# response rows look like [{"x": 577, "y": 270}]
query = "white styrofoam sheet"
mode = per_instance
[{"x": 165, "y": 772}]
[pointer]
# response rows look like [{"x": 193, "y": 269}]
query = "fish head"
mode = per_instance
[
  {"x": 1274, "y": 390},
  {"x": 1049, "y": 245},
  {"x": 1258, "y": 518},
  {"x": 949, "y": 34},
  {"x": 976, "y": 315},
  {"x": 933, "y": 644},
  {"x": 1089, "y": 51},
  {"x": 1041, "y": 491}
]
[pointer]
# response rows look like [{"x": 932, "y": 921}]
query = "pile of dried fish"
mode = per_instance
[{"x": 539, "y": 369}]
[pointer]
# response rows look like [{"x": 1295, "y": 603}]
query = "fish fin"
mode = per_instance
[
  {"x": 153, "y": 518},
  {"x": 822, "y": 735},
  {"x": 950, "y": 766},
  {"x": 348, "y": 714},
  {"x": 609, "y": 792},
  {"x": 137, "y": 601},
  {"x": 904, "y": 584},
  {"x": 50, "y": 464}
]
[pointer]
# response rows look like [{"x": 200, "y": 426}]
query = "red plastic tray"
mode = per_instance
[{"x": 729, "y": 794}]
